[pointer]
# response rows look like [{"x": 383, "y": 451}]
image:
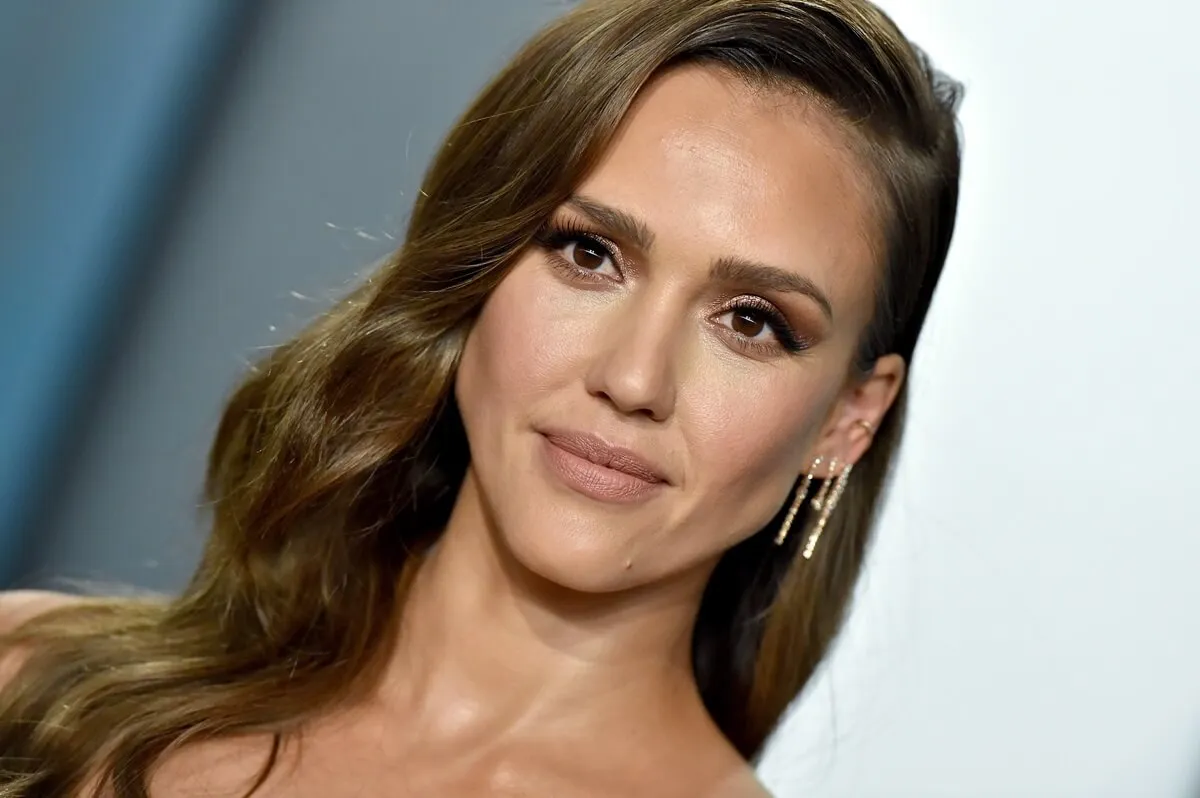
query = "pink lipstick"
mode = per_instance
[{"x": 600, "y": 471}]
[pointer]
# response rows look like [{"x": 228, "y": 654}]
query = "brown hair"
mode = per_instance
[{"x": 338, "y": 458}]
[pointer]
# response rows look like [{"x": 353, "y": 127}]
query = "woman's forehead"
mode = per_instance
[{"x": 721, "y": 171}]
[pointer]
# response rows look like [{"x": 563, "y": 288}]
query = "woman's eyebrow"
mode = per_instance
[
  {"x": 624, "y": 225},
  {"x": 726, "y": 269},
  {"x": 770, "y": 278}
]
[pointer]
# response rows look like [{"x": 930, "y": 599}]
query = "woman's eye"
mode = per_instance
[
  {"x": 589, "y": 255},
  {"x": 748, "y": 323},
  {"x": 761, "y": 328}
]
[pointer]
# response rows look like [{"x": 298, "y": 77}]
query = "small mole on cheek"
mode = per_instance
[{"x": 628, "y": 564}]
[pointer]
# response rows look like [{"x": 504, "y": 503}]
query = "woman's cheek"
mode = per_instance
[
  {"x": 754, "y": 432},
  {"x": 529, "y": 336}
]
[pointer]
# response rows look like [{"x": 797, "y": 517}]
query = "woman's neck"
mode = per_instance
[{"x": 488, "y": 649}]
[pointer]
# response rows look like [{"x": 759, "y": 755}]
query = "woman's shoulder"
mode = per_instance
[
  {"x": 16, "y": 608},
  {"x": 19, "y": 606},
  {"x": 742, "y": 783},
  {"x": 710, "y": 768}
]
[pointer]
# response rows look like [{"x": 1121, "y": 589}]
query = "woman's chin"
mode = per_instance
[{"x": 583, "y": 564}]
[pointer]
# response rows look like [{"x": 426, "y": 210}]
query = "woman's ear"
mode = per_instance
[{"x": 868, "y": 399}]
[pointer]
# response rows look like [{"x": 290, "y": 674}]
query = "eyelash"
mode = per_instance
[
  {"x": 553, "y": 236},
  {"x": 784, "y": 333}
]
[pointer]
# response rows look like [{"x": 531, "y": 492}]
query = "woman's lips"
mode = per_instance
[{"x": 591, "y": 467}]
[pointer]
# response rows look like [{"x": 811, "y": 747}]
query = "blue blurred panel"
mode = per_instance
[{"x": 97, "y": 102}]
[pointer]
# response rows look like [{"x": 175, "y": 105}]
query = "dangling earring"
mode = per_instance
[
  {"x": 819, "y": 499},
  {"x": 825, "y": 502},
  {"x": 801, "y": 492}
]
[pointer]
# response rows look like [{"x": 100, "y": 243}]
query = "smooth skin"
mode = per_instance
[{"x": 545, "y": 648}]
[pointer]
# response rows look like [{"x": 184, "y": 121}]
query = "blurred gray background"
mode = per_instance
[{"x": 304, "y": 130}]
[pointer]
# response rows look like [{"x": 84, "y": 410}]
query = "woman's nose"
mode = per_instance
[{"x": 636, "y": 363}]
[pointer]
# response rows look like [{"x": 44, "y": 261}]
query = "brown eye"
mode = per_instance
[
  {"x": 747, "y": 323},
  {"x": 756, "y": 323},
  {"x": 584, "y": 255},
  {"x": 588, "y": 254}
]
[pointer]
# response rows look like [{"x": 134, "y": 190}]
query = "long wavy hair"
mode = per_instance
[{"x": 338, "y": 458}]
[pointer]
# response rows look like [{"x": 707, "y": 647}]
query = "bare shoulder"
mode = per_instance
[
  {"x": 713, "y": 768},
  {"x": 19, "y": 606},
  {"x": 227, "y": 766},
  {"x": 742, "y": 783},
  {"x": 16, "y": 608}
]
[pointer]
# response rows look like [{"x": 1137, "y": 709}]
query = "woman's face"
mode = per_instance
[{"x": 646, "y": 384}]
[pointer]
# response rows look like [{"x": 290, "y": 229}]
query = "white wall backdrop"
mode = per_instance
[{"x": 1029, "y": 624}]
